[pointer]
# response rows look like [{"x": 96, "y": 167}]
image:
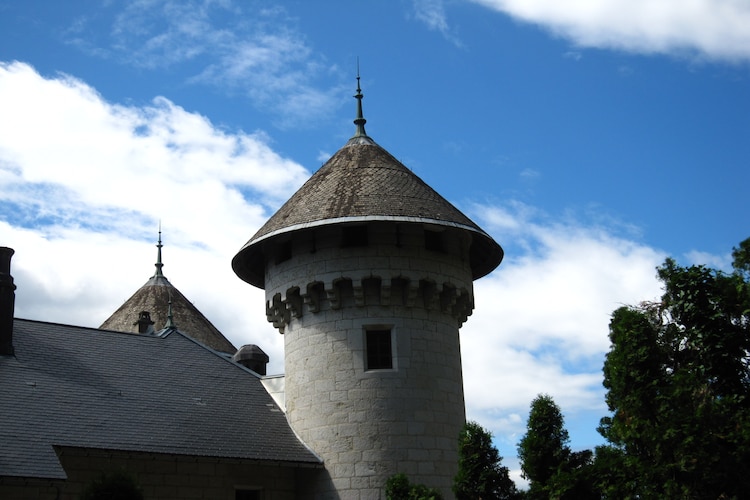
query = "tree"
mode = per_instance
[
  {"x": 481, "y": 475},
  {"x": 544, "y": 448},
  {"x": 678, "y": 382},
  {"x": 608, "y": 475},
  {"x": 116, "y": 485},
  {"x": 398, "y": 487},
  {"x": 741, "y": 258},
  {"x": 553, "y": 470}
]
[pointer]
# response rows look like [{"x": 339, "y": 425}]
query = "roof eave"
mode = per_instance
[{"x": 249, "y": 263}]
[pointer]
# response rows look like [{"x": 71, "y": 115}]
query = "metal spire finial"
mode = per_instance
[
  {"x": 159, "y": 264},
  {"x": 360, "y": 120},
  {"x": 170, "y": 317}
]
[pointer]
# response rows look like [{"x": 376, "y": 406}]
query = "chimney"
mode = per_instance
[
  {"x": 7, "y": 302},
  {"x": 145, "y": 324},
  {"x": 251, "y": 356}
]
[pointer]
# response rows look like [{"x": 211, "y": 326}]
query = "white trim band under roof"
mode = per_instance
[{"x": 365, "y": 218}]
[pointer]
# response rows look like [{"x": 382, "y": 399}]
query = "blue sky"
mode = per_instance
[{"x": 591, "y": 140}]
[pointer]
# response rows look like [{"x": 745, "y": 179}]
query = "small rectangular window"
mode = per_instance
[
  {"x": 247, "y": 495},
  {"x": 379, "y": 353}
]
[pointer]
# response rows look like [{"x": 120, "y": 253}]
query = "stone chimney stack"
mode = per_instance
[
  {"x": 251, "y": 356},
  {"x": 7, "y": 302}
]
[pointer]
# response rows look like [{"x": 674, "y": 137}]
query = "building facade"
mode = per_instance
[{"x": 368, "y": 274}]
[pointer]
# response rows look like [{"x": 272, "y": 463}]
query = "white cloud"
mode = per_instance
[
  {"x": 541, "y": 319},
  {"x": 698, "y": 258},
  {"x": 83, "y": 184},
  {"x": 712, "y": 29},
  {"x": 61, "y": 133}
]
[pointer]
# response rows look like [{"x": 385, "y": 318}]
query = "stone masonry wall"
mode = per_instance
[{"x": 369, "y": 425}]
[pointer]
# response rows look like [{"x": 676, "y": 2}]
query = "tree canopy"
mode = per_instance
[
  {"x": 481, "y": 474},
  {"x": 115, "y": 485},
  {"x": 552, "y": 468},
  {"x": 678, "y": 382},
  {"x": 398, "y": 487},
  {"x": 544, "y": 448}
]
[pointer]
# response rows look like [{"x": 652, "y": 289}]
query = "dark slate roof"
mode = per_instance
[
  {"x": 154, "y": 296},
  {"x": 364, "y": 182},
  {"x": 83, "y": 387}
]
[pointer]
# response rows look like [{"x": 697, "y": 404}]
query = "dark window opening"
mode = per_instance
[
  {"x": 283, "y": 252},
  {"x": 354, "y": 236},
  {"x": 399, "y": 291},
  {"x": 433, "y": 241},
  {"x": 247, "y": 495},
  {"x": 378, "y": 349}
]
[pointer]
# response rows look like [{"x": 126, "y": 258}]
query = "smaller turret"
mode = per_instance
[{"x": 159, "y": 304}]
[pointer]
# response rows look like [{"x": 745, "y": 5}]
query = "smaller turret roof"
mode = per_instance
[{"x": 168, "y": 308}]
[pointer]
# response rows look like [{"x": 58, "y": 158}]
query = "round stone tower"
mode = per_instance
[{"x": 368, "y": 274}]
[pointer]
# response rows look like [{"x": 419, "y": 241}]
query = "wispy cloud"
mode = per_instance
[
  {"x": 529, "y": 174},
  {"x": 221, "y": 44},
  {"x": 432, "y": 14},
  {"x": 700, "y": 29}
]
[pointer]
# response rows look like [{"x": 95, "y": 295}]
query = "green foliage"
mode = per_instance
[
  {"x": 609, "y": 476},
  {"x": 398, "y": 487},
  {"x": 544, "y": 448},
  {"x": 678, "y": 381},
  {"x": 118, "y": 485},
  {"x": 741, "y": 258},
  {"x": 574, "y": 479},
  {"x": 553, "y": 470},
  {"x": 480, "y": 473}
]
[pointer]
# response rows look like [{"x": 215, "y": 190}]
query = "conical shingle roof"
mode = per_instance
[
  {"x": 363, "y": 182},
  {"x": 161, "y": 300}
]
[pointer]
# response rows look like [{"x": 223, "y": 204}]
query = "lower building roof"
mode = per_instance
[{"x": 70, "y": 386}]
